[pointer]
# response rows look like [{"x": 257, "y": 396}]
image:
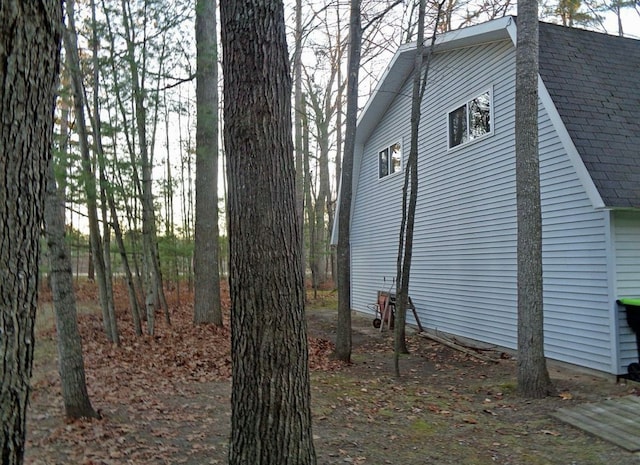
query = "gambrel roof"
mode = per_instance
[
  {"x": 594, "y": 82},
  {"x": 589, "y": 80}
]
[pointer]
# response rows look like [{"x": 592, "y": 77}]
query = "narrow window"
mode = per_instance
[
  {"x": 470, "y": 121},
  {"x": 396, "y": 158},
  {"x": 479, "y": 116},
  {"x": 384, "y": 163},
  {"x": 458, "y": 126},
  {"x": 390, "y": 160}
]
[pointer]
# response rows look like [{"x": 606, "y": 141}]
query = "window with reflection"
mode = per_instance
[
  {"x": 389, "y": 160},
  {"x": 470, "y": 121}
]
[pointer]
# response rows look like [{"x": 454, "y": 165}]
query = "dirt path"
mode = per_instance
[{"x": 447, "y": 408}]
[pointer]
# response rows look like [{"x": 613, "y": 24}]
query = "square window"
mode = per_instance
[{"x": 470, "y": 121}]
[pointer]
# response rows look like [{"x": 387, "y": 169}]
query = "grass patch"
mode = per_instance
[
  {"x": 323, "y": 299},
  {"x": 421, "y": 428}
]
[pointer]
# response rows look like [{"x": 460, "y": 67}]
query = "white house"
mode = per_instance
[{"x": 463, "y": 278}]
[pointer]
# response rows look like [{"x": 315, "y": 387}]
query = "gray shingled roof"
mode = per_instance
[{"x": 594, "y": 81}]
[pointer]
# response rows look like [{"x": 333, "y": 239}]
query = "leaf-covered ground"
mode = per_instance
[{"x": 165, "y": 399}]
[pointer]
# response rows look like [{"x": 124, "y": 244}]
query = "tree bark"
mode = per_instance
[
  {"x": 343, "y": 252},
  {"x": 271, "y": 415},
  {"x": 153, "y": 276},
  {"x": 323, "y": 110},
  {"x": 96, "y": 124},
  {"x": 298, "y": 114},
  {"x": 71, "y": 364},
  {"x": 207, "y": 308},
  {"x": 309, "y": 205},
  {"x": 409, "y": 194},
  {"x": 410, "y": 186},
  {"x": 339, "y": 113},
  {"x": 29, "y": 66},
  {"x": 97, "y": 251},
  {"x": 533, "y": 377}
]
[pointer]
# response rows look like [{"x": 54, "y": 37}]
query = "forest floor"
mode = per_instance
[{"x": 166, "y": 399}]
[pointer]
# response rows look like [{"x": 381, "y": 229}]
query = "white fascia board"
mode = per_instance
[
  {"x": 614, "y": 326},
  {"x": 386, "y": 91},
  {"x": 402, "y": 63}
]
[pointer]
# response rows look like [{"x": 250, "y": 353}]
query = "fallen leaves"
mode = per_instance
[
  {"x": 142, "y": 387},
  {"x": 565, "y": 395}
]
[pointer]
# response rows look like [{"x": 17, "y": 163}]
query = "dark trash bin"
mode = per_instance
[{"x": 632, "y": 309}]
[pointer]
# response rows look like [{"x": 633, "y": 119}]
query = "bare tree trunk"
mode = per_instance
[
  {"x": 533, "y": 377},
  {"x": 271, "y": 414},
  {"x": 339, "y": 112},
  {"x": 97, "y": 142},
  {"x": 117, "y": 231},
  {"x": 106, "y": 247},
  {"x": 343, "y": 333},
  {"x": 153, "y": 277},
  {"x": 129, "y": 279},
  {"x": 297, "y": 119},
  {"x": 405, "y": 244},
  {"x": 410, "y": 187},
  {"x": 308, "y": 198},
  {"x": 207, "y": 307},
  {"x": 106, "y": 300},
  {"x": 71, "y": 364},
  {"x": 29, "y": 66}
]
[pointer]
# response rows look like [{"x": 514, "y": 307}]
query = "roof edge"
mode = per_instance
[{"x": 401, "y": 65}]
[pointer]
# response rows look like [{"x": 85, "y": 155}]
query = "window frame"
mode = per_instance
[
  {"x": 466, "y": 105},
  {"x": 388, "y": 149}
]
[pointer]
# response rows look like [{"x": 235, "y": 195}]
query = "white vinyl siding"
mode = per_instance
[
  {"x": 465, "y": 226},
  {"x": 574, "y": 255},
  {"x": 464, "y": 246},
  {"x": 627, "y": 258},
  {"x": 463, "y": 278}
]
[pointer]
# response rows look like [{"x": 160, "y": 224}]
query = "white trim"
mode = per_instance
[
  {"x": 614, "y": 326},
  {"x": 399, "y": 142},
  {"x": 565, "y": 138},
  {"x": 512, "y": 30}
]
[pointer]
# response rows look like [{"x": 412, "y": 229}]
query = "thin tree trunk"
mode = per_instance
[
  {"x": 153, "y": 277},
  {"x": 308, "y": 198},
  {"x": 71, "y": 47},
  {"x": 99, "y": 151},
  {"x": 129, "y": 279},
  {"x": 343, "y": 333},
  {"x": 339, "y": 112},
  {"x": 207, "y": 307},
  {"x": 408, "y": 216},
  {"x": 324, "y": 194},
  {"x": 131, "y": 211},
  {"x": 297, "y": 119},
  {"x": 410, "y": 187},
  {"x": 29, "y": 65},
  {"x": 533, "y": 377},
  {"x": 70, "y": 360}
]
